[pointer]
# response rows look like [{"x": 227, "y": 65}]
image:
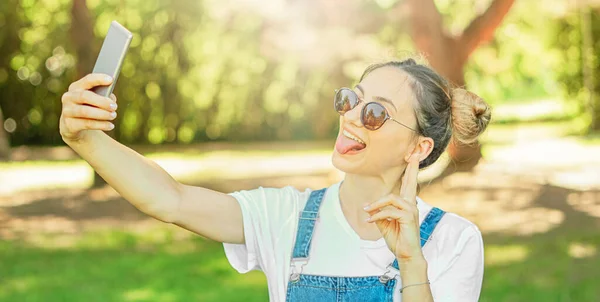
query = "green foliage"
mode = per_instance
[
  {"x": 209, "y": 70},
  {"x": 519, "y": 62},
  {"x": 571, "y": 77},
  {"x": 34, "y": 66},
  {"x": 191, "y": 74}
]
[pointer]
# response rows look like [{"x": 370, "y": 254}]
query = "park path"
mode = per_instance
[{"x": 541, "y": 188}]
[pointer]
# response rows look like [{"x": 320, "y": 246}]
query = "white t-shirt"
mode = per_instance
[{"x": 454, "y": 252}]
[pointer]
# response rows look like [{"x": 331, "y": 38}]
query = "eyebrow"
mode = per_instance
[{"x": 378, "y": 98}]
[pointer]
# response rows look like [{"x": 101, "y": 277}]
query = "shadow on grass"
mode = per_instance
[
  {"x": 561, "y": 264},
  {"x": 77, "y": 207}
]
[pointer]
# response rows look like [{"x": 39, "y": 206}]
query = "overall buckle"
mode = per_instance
[
  {"x": 297, "y": 266},
  {"x": 389, "y": 274}
]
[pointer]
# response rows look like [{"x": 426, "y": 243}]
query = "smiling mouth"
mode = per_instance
[
  {"x": 348, "y": 143},
  {"x": 354, "y": 138}
]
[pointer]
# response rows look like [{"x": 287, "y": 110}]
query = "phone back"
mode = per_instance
[{"x": 111, "y": 55}]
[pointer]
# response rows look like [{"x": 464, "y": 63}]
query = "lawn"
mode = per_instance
[
  {"x": 163, "y": 264},
  {"x": 121, "y": 266}
]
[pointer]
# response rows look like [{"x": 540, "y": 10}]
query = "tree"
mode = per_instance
[
  {"x": 579, "y": 33},
  {"x": 588, "y": 61},
  {"x": 449, "y": 54},
  {"x": 9, "y": 44},
  {"x": 4, "y": 145},
  {"x": 82, "y": 38}
]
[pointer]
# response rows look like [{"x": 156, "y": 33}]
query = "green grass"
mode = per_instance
[
  {"x": 156, "y": 266},
  {"x": 118, "y": 266},
  {"x": 545, "y": 267}
]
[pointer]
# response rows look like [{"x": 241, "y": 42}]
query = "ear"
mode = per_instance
[{"x": 423, "y": 148}]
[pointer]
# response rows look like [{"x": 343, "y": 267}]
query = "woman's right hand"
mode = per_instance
[
  {"x": 83, "y": 110},
  {"x": 140, "y": 180}
]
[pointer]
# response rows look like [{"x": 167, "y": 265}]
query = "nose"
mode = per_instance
[{"x": 353, "y": 115}]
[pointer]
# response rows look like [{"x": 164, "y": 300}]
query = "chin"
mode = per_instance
[{"x": 348, "y": 163}]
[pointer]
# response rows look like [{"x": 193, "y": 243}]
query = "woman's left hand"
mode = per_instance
[{"x": 397, "y": 217}]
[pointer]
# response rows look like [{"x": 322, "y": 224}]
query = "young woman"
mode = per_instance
[{"x": 367, "y": 238}]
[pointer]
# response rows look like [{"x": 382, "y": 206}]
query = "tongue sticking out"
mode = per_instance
[{"x": 344, "y": 144}]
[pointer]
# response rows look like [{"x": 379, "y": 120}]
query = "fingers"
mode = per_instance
[
  {"x": 393, "y": 201},
  {"x": 392, "y": 207},
  {"x": 75, "y": 125},
  {"x": 390, "y": 213},
  {"x": 410, "y": 179},
  {"x": 387, "y": 214},
  {"x": 83, "y": 109},
  {"x": 385, "y": 201},
  {"x": 90, "y": 81},
  {"x": 89, "y": 98},
  {"x": 88, "y": 112}
]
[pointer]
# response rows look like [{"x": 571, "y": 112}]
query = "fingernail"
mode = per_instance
[
  {"x": 366, "y": 208},
  {"x": 111, "y": 126},
  {"x": 108, "y": 78},
  {"x": 389, "y": 219},
  {"x": 368, "y": 219},
  {"x": 113, "y": 114},
  {"x": 113, "y": 106}
]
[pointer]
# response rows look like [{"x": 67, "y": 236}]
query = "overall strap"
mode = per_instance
[
  {"x": 429, "y": 223},
  {"x": 306, "y": 224}
]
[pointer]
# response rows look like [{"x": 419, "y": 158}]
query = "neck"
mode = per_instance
[{"x": 357, "y": 190}]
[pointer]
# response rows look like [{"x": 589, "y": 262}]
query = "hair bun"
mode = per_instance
[{"x": 470, "y": 116}]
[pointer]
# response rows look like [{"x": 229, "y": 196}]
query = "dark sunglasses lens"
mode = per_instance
[
  {"x": 373, "y": 116},
  {"x": 345, "y": 100}
]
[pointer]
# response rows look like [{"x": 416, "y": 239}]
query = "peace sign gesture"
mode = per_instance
[{"x": 397, "y": 217}]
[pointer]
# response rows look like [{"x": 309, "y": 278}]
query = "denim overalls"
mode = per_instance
[{"x": 323, "y": 288}]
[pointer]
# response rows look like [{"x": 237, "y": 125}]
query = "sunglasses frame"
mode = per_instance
[{"x": 362, "y": 111}]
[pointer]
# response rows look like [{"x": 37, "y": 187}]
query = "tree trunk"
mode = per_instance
[
  {"x": 10, "y": 44},
  {"x": 464, "y": 157},
  {"x": 82, "y": 39},
  {"x": 4, "y": 142},
  {"x": 449, "y": 55},
  {"x": 587, "y": 50}
]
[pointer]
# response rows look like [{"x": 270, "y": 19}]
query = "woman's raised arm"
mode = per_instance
[{"x": 142, "y": 182}]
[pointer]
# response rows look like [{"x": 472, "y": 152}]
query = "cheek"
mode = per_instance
[{"x": 389, "y": 148}]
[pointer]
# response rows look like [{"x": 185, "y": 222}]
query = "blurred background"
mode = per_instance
[{"x": 236, "y": 94}]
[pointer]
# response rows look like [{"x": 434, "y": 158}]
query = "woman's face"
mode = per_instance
[{"x": 386, "y": 148}]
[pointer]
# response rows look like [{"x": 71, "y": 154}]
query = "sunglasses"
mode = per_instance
[{"x": 373, "y": 114}]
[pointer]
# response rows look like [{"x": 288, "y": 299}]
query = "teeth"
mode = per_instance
[{"x": 352, "y": 137}]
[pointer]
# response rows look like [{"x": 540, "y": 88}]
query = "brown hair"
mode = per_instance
[{"x": 442, "y": 112}]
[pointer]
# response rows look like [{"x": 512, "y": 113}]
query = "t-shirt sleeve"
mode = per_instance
[
  {"x": 462, "y": 278},
  {"x": 268, "y": 214}
]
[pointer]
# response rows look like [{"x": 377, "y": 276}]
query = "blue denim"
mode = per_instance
[{"x": 303, "y": 287}]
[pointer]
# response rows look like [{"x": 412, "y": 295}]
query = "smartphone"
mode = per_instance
[{"x": 111, "y": 56}]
